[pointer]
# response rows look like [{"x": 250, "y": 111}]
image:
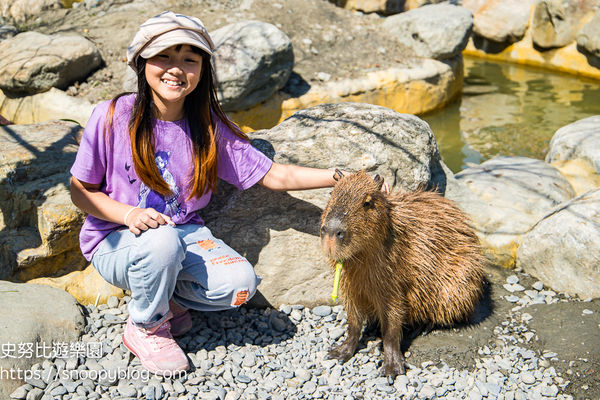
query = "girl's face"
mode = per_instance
[{"x": 172, "y": 74}]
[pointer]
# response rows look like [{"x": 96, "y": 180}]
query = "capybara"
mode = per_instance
[{"x": 409, "y": 259}]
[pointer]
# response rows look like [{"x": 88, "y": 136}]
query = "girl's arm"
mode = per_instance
[
  {"x": 90, "y": 199},
  {"x": 283, "y": 177}
]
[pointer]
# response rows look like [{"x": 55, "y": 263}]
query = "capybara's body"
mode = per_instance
[{"x": 409, "y": 259}]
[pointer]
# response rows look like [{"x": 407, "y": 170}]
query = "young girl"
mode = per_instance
[{"x": 147, "y": 162}]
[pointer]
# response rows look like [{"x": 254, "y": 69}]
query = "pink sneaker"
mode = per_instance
[
  {"x": 156, "y": 348},
  {"x": 181, "y": 322}
]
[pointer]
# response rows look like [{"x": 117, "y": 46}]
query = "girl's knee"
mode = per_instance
[
  {"x": 242, "y": 285},
  {"x": 162, "y": 245}
]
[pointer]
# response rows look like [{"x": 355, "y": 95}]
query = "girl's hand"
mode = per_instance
[{"x": 142, "y": 219}]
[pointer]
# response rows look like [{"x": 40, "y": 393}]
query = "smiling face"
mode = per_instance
[{"x": 172, "y": 74}]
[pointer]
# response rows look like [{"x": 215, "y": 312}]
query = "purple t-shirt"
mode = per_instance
[{"x": 105, "y": 159}]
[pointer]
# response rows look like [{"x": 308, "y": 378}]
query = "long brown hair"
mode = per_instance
[{"x": 202, "y": 110}]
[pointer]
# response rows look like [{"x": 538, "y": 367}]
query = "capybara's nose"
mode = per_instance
[{"x": 334, "y": 229}]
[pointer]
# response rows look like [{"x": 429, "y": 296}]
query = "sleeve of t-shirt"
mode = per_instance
[
  {"x": 90, "y": 162},
  {"x": 239, "y": 163}
]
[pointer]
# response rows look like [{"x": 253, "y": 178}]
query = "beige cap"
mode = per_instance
[{"x": 165, "y": 30}]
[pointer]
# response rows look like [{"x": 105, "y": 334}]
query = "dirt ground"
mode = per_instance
[{"x": 325, "y": 38}]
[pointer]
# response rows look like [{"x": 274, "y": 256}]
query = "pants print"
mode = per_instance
[{"x": 185, "y": 263}]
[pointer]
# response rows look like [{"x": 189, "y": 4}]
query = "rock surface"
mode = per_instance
[
  {"x": 517, "y": 192},
  {"x": 33, "y": 62},
  {"x": 51, "y": 105},
  {"x": 87, "y": 286},
  {"x": 563, "y": 249},
  {"x": 555, "y": 22},
  {"x": 22, "y": 10},
  {"x": 39, "y": 224},
  {"x": 579, "y": 140},
  {"x": 501, "y": 21},
  {"x": 36, "y": 315},
  {"x": 253, "y": 60},
  {"x": 588, "y": 37},
  {"x": 350, "y": 136},
  {"x": 433, "y": 31}
]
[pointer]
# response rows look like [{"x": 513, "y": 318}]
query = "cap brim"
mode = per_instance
[{"x": 175, "y": 37}]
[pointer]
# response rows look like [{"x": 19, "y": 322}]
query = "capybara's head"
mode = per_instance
[{"x": 356, "y": 217}]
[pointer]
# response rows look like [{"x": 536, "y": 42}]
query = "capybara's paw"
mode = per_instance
[
  {"x": 394, "y": 369},
  {"x": 341, "y": 353}
]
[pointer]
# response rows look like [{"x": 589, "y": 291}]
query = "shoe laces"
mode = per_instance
[{"x": 161, "y": 337}]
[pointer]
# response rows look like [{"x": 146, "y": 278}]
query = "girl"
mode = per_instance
[{"x": 147, "y": 162}]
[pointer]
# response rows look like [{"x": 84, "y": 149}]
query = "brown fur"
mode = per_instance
[{"x": 409, "y": 259}]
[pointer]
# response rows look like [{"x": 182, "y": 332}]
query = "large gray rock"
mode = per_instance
[
  {"x": 433, "y": 31},
  {"x": 37, "y": 316},
  {"x": 22, "y": 10},
  {"x": 588, "y": 37},
  {"x": 280, "y": 233},
  {"x": 47, "y": 106},
  {"x": 253, "y": 60},
  {"x": 32, "y": 62},
  {"x": 502, "y": 21},
  {"x": 555, "y": 22},
  {"x": 563, "y": 249},
  {"x": 517, "y": 192},
  {"x": 38, "y": 224},
  {"x": 579, "y": 140}
]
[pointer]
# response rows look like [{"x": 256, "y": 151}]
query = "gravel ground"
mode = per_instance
[{"x": 281, "y": 354}]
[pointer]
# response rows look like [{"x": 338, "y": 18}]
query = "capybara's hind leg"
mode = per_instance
[
  {"x": 346, "y": 350},
  {"x": 393, "y": 359}
]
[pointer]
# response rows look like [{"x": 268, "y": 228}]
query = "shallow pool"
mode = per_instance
[{"x": 511, "y": 110}]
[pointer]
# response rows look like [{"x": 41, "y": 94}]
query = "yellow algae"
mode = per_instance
[
  {"x": 581, "y": 174},
  {"x": 565, "y": 59},
  {"x": 390, "y": 88},
  {"x": 86, "y": 286}
]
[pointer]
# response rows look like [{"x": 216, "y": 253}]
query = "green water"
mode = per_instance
[{"x": 509, "y": 110}]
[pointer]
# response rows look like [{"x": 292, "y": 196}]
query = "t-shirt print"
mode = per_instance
[{"x": 149, "y": 198}]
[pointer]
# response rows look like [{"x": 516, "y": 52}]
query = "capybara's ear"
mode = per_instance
[
  {"x": 379, "y": 181},
  {"x": 338, "y": 175}
]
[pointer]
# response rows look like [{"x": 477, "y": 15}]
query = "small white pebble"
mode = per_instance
[
  {"x": 323, "y": 76},
  {"x": 511, "y": 299},
  {"x": 587, "y": 312},
  {"x": 538, "y": 285},
  {"x": 512, "y": 279}
]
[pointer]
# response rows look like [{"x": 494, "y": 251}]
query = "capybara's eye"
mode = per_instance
[{"x": 322, "y": 230}]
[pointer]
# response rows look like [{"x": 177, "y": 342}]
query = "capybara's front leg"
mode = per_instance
[
  {"x": 346, "y": 350},
  {"x": 393, "y": 359}
]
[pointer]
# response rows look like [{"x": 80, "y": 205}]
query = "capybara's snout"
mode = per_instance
[{"x": 333, "y": 236}]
